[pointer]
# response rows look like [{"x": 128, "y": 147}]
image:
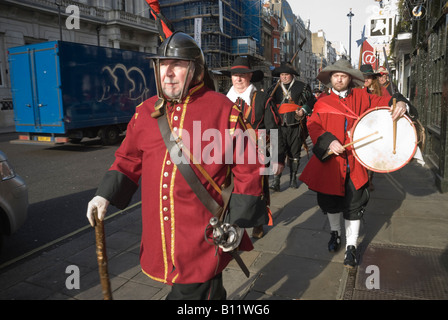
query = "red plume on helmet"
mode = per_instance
[
  {"x": 166, "y": 29},
  {"x": 164, "y": 26}
]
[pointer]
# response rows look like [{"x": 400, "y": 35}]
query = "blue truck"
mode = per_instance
[{"x": 64, "y": 91}]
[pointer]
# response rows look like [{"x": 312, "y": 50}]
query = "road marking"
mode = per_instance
[{"x": 29, "y": 253}]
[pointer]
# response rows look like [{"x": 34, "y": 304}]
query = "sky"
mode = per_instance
[{"x": 331, "y": 17}]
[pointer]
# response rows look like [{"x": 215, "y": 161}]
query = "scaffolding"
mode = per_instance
[{"x": 226, "y": 26}]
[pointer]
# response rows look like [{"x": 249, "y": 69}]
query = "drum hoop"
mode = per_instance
[{"x": 366, "y": 165}]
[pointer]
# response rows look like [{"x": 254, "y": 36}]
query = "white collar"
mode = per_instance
[
  {"x": 342, "y": 94},
  {"x": 246, "y": 95},
  {"x": 287, "y": 93}
]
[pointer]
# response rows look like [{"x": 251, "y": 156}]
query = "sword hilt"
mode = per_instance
[{"x": 226, "y": 235}]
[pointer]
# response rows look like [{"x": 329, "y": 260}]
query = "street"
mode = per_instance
[
  {"x": 403, "y": 237},
  {"x": 61, "y": 180}
]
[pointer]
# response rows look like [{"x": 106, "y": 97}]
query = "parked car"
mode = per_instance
[{"x": 13, "y": 199}]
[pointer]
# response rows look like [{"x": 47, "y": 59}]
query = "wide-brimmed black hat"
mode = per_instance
[
  {"x": 242, "y": 65},
  {"x": 341, "y": 65},
  {"x": 367, "y": 70},
  {"x": 285, "y": 67}
]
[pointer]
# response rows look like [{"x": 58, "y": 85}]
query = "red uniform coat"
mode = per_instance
[
  {"x": 331, "y": 119},
  {"x": 173, "y": 248}
]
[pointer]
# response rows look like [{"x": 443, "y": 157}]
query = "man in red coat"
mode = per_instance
[
  {"x": 173, "y": 248},
  {"x": 339, "y": 179}
]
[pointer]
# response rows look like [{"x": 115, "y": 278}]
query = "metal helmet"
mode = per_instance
[{"x": 183, "y": 47}]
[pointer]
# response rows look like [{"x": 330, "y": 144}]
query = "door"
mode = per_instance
[{"x": 36, "y": 89}]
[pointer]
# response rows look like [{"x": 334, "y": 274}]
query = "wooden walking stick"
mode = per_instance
[{"x": 102, "y": 256}]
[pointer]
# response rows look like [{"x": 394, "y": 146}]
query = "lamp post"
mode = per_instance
[
  {"x": 350, "y": 15},
  {"x": 59, "y": 4}
]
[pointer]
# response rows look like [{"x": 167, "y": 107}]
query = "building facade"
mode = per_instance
[
  {"x": 115, "y": 23},
  {"x": 421, "y": 62},
  {"x": 266, "y": 31}
]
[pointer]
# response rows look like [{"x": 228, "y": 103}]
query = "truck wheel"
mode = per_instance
[
  {"x": 109, "y": 135},
  {"x": 75, "y": 141}
]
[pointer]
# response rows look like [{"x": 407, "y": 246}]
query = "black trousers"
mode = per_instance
[
  {"x": 351, "y": 205},
  {"x": 212, "y": 289},
  {"x": 291, "y": 142}
]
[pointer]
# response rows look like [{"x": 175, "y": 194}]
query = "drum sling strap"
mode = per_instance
[{"x": 175, "y": 148}]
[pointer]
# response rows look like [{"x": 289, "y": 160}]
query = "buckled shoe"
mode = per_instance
[
  {"x": 350, "y": 260},
  {"x": 335, "y": 242}
]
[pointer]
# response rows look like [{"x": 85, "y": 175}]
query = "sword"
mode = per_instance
[
  {"x": 240, "y": 262},
  {"x": 102, "y": 256},
  {"x": 222, "y": 236}
]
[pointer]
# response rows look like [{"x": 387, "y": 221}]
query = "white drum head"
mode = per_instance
[{"x": 376, "y": 152}]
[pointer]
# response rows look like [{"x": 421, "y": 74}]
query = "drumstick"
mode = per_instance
[
  {"x": 394, "y": 127},
  {"x": 353, "y": 142}
]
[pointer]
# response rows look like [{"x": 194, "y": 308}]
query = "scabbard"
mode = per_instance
[
  {"x": 102, "y": 257},
  {"x": 240, "y": 262}
]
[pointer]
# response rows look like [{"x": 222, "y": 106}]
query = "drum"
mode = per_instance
[{"x": 376, "y": 152}]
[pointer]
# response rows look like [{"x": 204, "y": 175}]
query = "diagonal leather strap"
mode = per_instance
[
  {"x": 189, "y": 175},
  {"x": 195, "y": 184}
]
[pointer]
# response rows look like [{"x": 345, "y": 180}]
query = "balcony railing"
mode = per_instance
[{"x": 90, "y": 13}]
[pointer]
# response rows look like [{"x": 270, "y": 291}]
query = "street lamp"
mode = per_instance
[
  {"x": 350, "y": 15},
  {"x": 59, "y": 4}
]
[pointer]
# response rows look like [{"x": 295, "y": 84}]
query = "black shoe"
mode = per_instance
[
  {"x": 350, "y": 260},
  {"x": 293, "y": 182},
  {"x": 335, "y": 242},
  {"x": 294, "y": 167},
  {"x": 275, "y": 186},
  {"x": 257, "y": 232}
]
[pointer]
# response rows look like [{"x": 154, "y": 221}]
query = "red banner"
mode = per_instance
[{"x": 367, "y": 55}]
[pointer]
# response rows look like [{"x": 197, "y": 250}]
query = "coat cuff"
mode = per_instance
[
  {"x": 399, "y": 97},
  {"x": 322, "y": 144},
  {"x": 117, "y": 188},
  {"x": 307, "y": 109},
  {"x": 247, "y": 211},
  {"x": 411, "y": 110}
]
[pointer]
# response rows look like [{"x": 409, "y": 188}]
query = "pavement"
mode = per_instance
[{"x": 403, "y": 252}]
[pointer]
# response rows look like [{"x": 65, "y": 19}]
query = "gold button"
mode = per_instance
[
  {"x": 164, "y": 197},
  {"x": 166, "y": 218}
]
